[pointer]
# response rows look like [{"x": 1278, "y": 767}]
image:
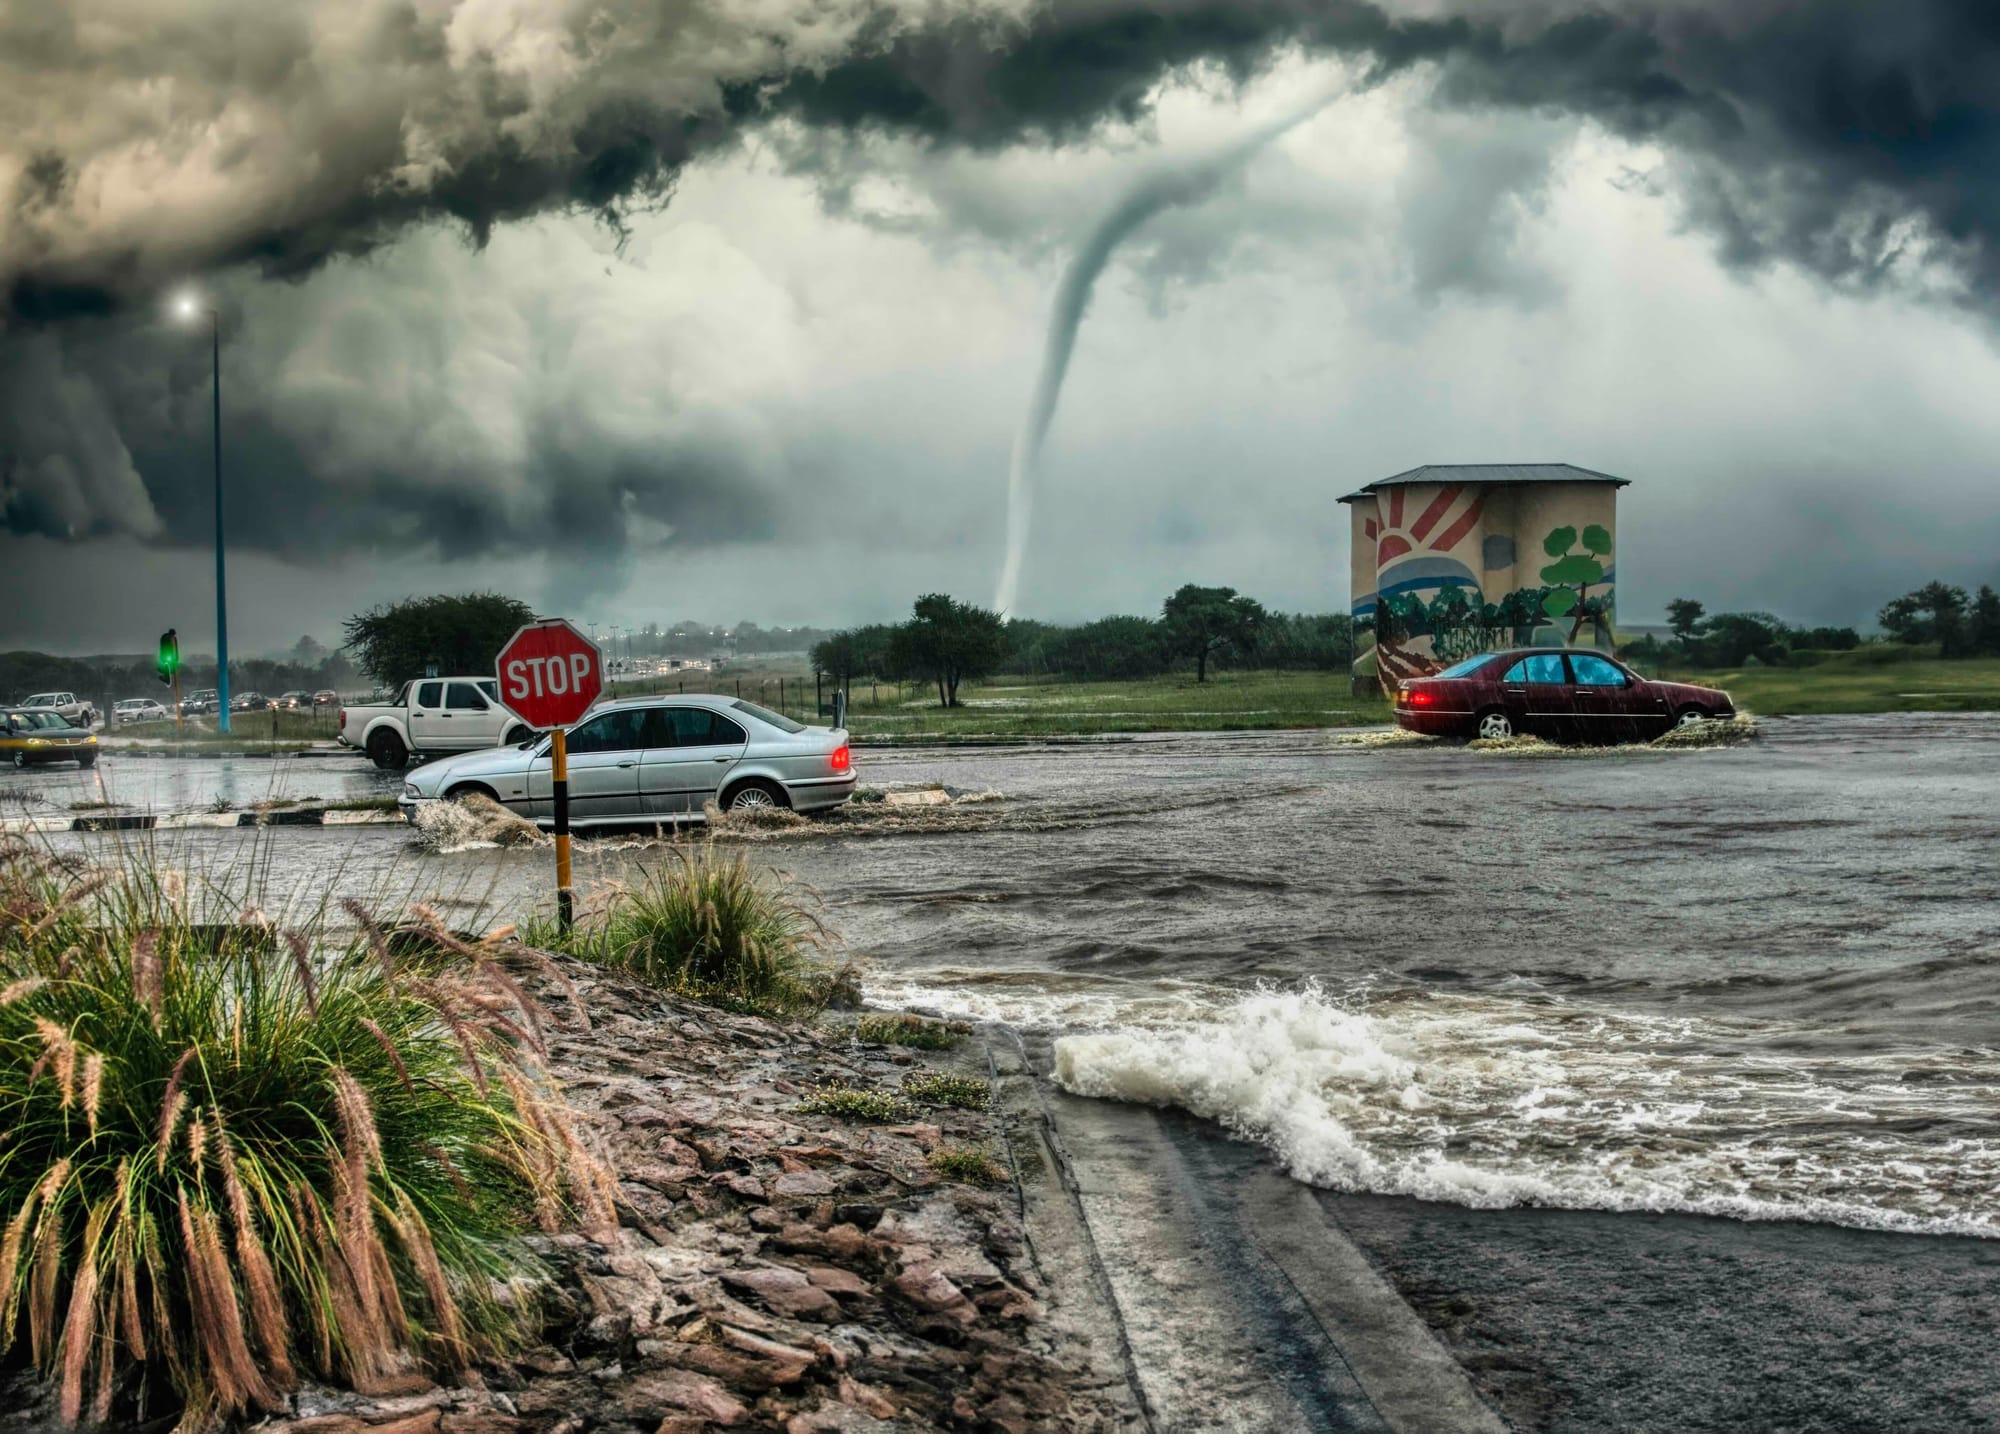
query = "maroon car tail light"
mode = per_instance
[{"x": 1419, "y": 698}]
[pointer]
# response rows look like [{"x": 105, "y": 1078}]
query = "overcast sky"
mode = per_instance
[{"x": 644, "y": 311}]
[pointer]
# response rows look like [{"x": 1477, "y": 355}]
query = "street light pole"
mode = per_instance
[
  {"x": 188, "y": 307},
  {"x": 221, "y": 576}
]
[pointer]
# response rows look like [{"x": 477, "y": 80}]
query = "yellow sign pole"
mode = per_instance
[
  {"x": 177, "y": 699},
  {"x": 559, "y": 779}
]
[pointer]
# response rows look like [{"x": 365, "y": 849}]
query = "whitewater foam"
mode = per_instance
[{"x": 1491, "y": 1103}]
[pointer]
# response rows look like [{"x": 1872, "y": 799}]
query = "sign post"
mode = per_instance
[{"x": 550, "y": 674}]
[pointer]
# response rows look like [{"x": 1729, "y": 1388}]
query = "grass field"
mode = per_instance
[
  {"x": 249, "y": 732},
  {"x": 1869, "y": 679},
  {"x": 1877, "y": 678},
  {"x": 1028, "y": 707}
]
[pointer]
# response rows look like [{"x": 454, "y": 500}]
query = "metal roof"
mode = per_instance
[{"x": 1488, "y": 473}]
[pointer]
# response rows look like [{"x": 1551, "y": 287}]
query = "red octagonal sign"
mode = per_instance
[{"x": 550, "y": 674}]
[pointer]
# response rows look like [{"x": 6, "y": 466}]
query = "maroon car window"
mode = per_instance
[
  {"x": 1542, "y": 667},
  {"x": 1595, "y": 671}
]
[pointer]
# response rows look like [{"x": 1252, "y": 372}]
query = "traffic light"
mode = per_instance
[{"x": 170, "y": 656}]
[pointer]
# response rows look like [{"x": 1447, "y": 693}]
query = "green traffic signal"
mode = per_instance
[{"x": 170, "y": 655}]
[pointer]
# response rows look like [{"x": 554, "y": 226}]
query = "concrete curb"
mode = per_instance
[
  {"x": 202, "y": 754},
  {"x": 185, "y": 821},
  {"x": 1239, "y": 1303}
]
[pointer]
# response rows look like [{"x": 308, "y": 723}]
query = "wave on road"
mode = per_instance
[{"x": 1489, "y": 1102}]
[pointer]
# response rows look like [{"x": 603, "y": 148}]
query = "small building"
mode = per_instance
[{"x": 1454, "y": 559}]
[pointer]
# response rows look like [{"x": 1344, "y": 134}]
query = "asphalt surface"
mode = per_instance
[{"x": 1584, "y": 1007}]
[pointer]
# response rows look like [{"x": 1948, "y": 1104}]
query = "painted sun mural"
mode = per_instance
[{"x": 1446, "y": 565}]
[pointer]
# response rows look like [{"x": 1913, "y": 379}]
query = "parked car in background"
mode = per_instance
[
  {"x": 250, "y": 702},
  {"x": 326, "y": 697},
  {"x": 200, "y": 703},
  {"x": 30, "y": 736},
  {"x": 430, "y": 717},
  {"x": 1562, "y": 694},
  {"x": 138, "y": 709},
  {"x": 653, "y": 759},
  {"x": 295, "y": 701},
  {"x": 67, "y": 705}
]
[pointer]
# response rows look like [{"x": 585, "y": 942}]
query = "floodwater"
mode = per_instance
[{"x": 1756, "y": 982}]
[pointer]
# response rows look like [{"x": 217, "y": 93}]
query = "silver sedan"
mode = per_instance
[{"x": 645, "y": 759}]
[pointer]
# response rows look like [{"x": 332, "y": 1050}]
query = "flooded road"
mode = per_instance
[{"x": 1755, "y": 982}]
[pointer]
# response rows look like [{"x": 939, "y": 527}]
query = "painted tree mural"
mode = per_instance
[{"x": 1569, "y": 577}]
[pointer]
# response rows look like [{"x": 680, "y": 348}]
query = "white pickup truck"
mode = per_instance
[{"x": 429, "y": 717}]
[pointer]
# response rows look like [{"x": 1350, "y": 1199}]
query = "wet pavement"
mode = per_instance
[{"x": 1532, "y": 990}]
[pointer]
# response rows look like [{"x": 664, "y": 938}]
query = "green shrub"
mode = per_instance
[
  {"x": 968, "y": 1164},
  {"x": 706, "y": 925},
  {"x": 908, "y": 1030},
  {"x": 958, "y": 1092},
  {"x": 237, "y": 1156},
  {"x": 848, "y": 1103}
]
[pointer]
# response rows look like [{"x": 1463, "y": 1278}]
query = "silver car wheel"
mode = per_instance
[
  {"x": 749, "y": 798},
  {"x": 1691, "y": 716},
  {"x": 1496, "y": 726}
]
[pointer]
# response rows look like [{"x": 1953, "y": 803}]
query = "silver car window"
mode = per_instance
[
  {"x": 703, "y": 727},
  {"x": 621, "y": 731}
]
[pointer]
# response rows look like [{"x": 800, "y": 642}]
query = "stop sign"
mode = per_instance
[{"x": 549, "y": 673}]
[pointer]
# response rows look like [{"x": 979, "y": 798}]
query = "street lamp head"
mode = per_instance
[{"x": 187, "y": 306}]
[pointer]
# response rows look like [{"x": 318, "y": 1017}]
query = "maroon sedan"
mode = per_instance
[{"x": 1563, "y": 694}]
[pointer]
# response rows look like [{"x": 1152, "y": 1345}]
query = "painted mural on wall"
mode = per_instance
[{"x": 1448, "y": 572}]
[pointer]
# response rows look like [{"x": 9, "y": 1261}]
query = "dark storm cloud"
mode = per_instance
[
  {"x": 1828, "y": 121},
  {"x": 1850, "y": 138}
]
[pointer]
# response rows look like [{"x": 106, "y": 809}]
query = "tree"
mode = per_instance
[
  {"x": 308, "y": 651},
  {"x": 1935, "y": 612},
  {"x": 1569, "y": 577},
  {"x": 1736, "y": 637},
  {"x": 836, "y": 656},
  {"x": 1947, "y": 609},
  {"x": 1202, "y": 623},
  {"x": 1114, "y": 647},
  {"x": 1904, "y": 620},
  {"x": 947, "y": 641},
  {"x": 399, "y": 641},
  {"x": 1684, "y": 617},
  {"x": 1982, "y": 633}
]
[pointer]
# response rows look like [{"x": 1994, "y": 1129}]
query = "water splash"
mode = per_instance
[{"x": 1490, "y": 1102}]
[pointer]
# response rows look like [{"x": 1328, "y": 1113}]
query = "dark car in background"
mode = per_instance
[
  {"x": 30, "y": 736},
  {"x": 1561, "y": 694},
  {"x": 251, "y": 702}
]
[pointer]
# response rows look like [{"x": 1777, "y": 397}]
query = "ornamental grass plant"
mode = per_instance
[
  {"x": 706, "y": 924},
  {"x": 235, "y": 1155}
]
